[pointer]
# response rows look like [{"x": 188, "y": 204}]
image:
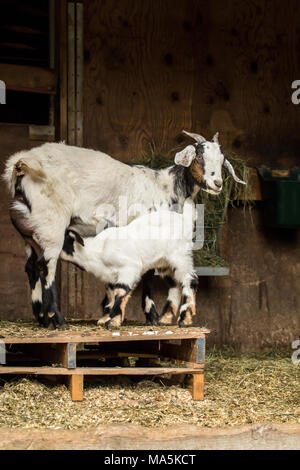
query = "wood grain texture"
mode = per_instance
[
  {"x": 106, "y": 336},
  {"x": 14, "y": 289},
  {"x": 244, "y": 72},
  {"x": 100, "y": 370},
  {"x": 76, "y": 387},
  {"x": 139, "y": 69},
  {"x": 29, "y": 79}
]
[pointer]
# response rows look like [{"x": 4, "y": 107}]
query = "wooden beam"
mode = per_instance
[
  {"x": 98, "y": 370},
  {"x": 76, "y": 387},
  {"x": 173, "y": 333},
  {"x": 196, "y": 386},
  {"x": 190, "y": 351},
  {"x": 29, "y": 79}
]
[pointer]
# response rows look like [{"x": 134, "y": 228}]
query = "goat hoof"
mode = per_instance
[
  {"x": 166, "y": 319},
  {"x": 103, "y": 320},
  {"x": 107, "y": 325},
  {"x": 64, "y": 326}
]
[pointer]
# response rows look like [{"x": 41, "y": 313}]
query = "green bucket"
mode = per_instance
[{"x": 281, "y": 197}]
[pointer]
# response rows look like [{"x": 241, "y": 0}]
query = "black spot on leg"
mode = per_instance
[
  {"x": 166, "y": 307},
  {"x": 194, "y": 283},
  {"x": 36, "y": 309},
  {"x": 147, "y": 283},
  {"x": 51, "y": 306},
  {"x": 182, "y": 318},
  {"x": 104, "y": 303},
  {"x": 170, "y": 281},
  {"x": 152, "y": 316},
  {"x": 31, "y": 269}
]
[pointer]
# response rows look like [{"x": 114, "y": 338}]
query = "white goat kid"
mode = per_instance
[
  {"x": 119, "y": 256},
  {"x": 55, "y": 184}
]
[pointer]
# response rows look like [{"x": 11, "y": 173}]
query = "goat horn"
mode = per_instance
[
  {"x": 216, "y": 138},
  {"x": 229, "y": 167},
  {"x": 198, "y": 138}
]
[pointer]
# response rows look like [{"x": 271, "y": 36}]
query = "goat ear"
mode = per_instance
[
  {"x": 186, "y": 156},
  {"x": 76, "y": 237},
  {"x": 229, "y": 167},
  {"x": 197, "y": 137},
  {"x": 216, "y": 138}
]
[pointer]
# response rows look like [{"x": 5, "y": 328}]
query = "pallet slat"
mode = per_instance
[
  {"x": 99, "y": 370},
  {"x": 106, "y": 336}
]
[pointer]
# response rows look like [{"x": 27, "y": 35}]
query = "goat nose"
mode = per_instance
[{"x": 218, "y": 183}]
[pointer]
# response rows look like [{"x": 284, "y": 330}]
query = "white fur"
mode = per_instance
[{"x": 124, "y": 254}]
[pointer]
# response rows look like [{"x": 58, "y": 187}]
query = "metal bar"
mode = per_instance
[
  {"x": 71, "y": 356},
  {"x": 2, "y": 353},
  {"x": 200, "y": 350}
]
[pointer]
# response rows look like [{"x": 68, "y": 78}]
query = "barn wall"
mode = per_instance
[
  {"x": 14, "y": 289},
  {"x": 155, "y": 68}
]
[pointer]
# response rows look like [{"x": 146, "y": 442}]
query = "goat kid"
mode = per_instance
[{"x": 119, "y": 256}]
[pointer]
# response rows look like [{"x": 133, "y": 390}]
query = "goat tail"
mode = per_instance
[
  {"x": 16, "y": 166},
  {"x": 31, "y": 168}
]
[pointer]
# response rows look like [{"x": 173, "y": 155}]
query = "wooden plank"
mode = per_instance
[
  {"x": 198, "y": 387},
  {"x": 99, "y": 354},
  {"x": 66, "y": 354},
  {"x": 99, "y": 370},
  {"x": 29, "y": 79},
  {"x": 106, "y": 336},
  {"x": 190, "y": 350},
  {"x": 76, "y": 387},
  {"x": 42, "y": 133}
]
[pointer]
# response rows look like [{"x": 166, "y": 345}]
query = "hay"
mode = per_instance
[
  {"x": 22, "y": 328},
  {"x": 240, "y": 389},
  {"x": 215, "y": 211}
]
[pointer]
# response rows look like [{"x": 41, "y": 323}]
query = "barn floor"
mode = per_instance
[{"x": 240, "y": 389}]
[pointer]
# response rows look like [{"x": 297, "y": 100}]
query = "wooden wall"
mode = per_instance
[
  {"x": 153, "y": 68},
  {"x": 14, "y": 289}
]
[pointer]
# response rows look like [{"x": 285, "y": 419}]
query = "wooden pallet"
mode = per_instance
[{"x": 59, "y": 354}]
